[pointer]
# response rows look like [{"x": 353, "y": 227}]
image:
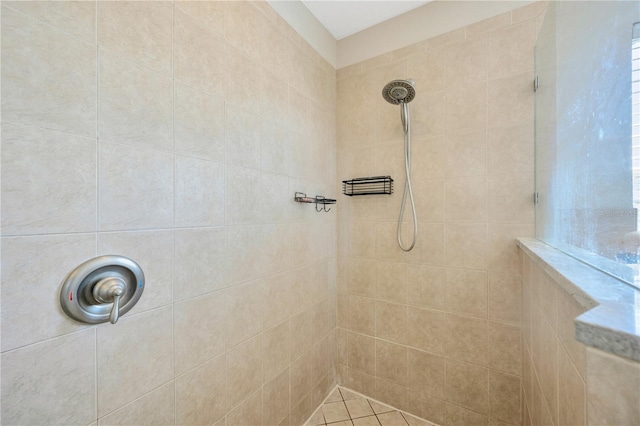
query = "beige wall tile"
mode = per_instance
[
  {"x": 458, "y": 416},
  {"x": 362, "y": 277},
  {"x": 75, "y": 18},
  {"x": 425, "y": 286},
  {"x": 466, "y": 62},
  {"x": 147, "y": 119},
  {"x": 504, "y": 397},
  {"x": 245, "y": 312},
  {"x": 510, "y": 150},
  {"x": 613, "y": 386},
  {"x": 199, "y": 123},
  {"x": 27, "y": 96},
  {"x": 391, "y": 321},
  {"x": 242, "y": 138},
  {"x": 362, "y": 353},
  {"x": 276, "y": 196},
  {"x": 153, "y": 251},
  {"x": 467, "y": 339},
  {"x": 199, "y": 262},
  {"x": 242, "y": 189},
  {"x": 568, "y": 310},
  {"x": 35, "y": 381},
  {"x": 243, "y": 257},
  {"x": 426, "y": 406},
  {"x": 243, "y": 25},
  {"x": 392, "y": 393},
  {"x": 505, "y": 297},
  {"x": 391, "y": 362},
  {"x": 484, "y": 26},
  {"x": 138, "y": 31},
  {"x": 244, "y": 370},
  {"x": 147, "y": 340},
  {"x": 248, "y": 412},
  {"x": 571, "y": 392},
  {"x": 465, "y": 200},
  {"x": 467, "y": 385},
  {"x": 276, "y": 399},
  {"x": 199, "y": 192},
  {"x": 510, "y": 50},
  {"x": 546, "y": 365},
  {"x": 196, "y": 58},
  {"x": 504, "y": 348},
  {"x": 48, "y": 181},
  {"x": 200, "y": 394},
  {"x": 465, "y": 246},
  {"x": 466, "y": 292},
  {"x": 391, "y": 281},
  {"x": 427, "y": 70},
  {"x": 361, "y": 382},
  {"x": 239, "y": 68},
  {"x": 466, "y": 154},
  {"x": 277, "y": 298},
  {"x": 148, "y": 176},
  {"x": 428, "y": 331},
  {"x": 155, "y": 408},
  {"x": 466, "y": 106},
  {"x": 510, "y": 101},
  {"x": 428, "y": 155},
  {"x": 33, "y": 316},
  {"x": 509, "y": 198},
  {"x": 275, "y": 350},
  {"x": 501, "y": 247},
  {"x": 362, "y": 315},
  {"x": 429, "y": 200},
  {"x": 425, "y": 372},
  {"x": 198, "y": 327},
  {"x": 275, "y": 144}
]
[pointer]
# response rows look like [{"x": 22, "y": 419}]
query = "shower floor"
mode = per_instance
[{"x": 344, "y": 407}]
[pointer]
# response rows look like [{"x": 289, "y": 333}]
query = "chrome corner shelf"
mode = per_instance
[
  {"x": 368, "y": 186},
  {"x": 301, "y": 197}
]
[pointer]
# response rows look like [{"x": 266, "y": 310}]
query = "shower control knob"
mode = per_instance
[
  {"x": 102, "y": 289},
  {"x": 110, "y": 290}
]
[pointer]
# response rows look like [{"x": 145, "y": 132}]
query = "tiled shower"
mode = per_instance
[{"x": 176, "y": 133}]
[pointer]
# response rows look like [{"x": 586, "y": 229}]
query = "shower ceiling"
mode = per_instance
[{"x": 344, "y": 18}]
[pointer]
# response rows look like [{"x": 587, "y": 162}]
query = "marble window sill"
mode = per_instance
[{"x": 612, "y": 322}]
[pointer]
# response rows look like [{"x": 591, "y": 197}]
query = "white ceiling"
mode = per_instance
[{"x": 346, "y": 17}]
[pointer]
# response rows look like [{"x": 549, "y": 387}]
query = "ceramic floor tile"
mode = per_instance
[
  {"x": 393, "y": 418},
  {"x": 359, "y": 408},
  {"x": 366, "y": 421},
  {"x": 346, "y": 394},
  {"x": 379, "y": 408},
  {"x": 342, "y": 423},
  {"x": 335, "y": 412},
  {"x": 335, "y": 396}
]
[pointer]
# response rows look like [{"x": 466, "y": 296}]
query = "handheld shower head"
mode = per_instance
[{"x": 399, "y": 91}]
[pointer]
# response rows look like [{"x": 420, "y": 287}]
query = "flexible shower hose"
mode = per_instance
[{"x": 406, "y": 123}]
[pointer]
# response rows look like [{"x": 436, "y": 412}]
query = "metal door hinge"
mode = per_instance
[
  {"x": 536, "y": 84},
  {"x": 536, "y": 198}
]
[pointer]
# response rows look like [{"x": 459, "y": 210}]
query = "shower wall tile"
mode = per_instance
[
  {"x": 146, "y": 121},
  {"x": 35, "y": 381},
  {"x": 199, "y": 192},
  {"x": 200, "y": 393},
  {"x": 153, "y": 251},
  {"x": 146, "y": 340},
  {"x": 28, "y": 97},
  {"x": 48, "y": 181},
  {"x": 199, "y": 330},
  {"x": 155, "y": 408},
  {"x": 472, "y": 176},
  {"x": 196, "y": 61},
  {"x": 176, "y": 134},
  {"x": 136, "y": 188},
  {"x": 34, "y": 315},
  {"x": 199, "y": 124},
  {"x": 138, "y": 31},
  {"x": 76, "y": 18},
  {"x": 199, "y": 262}
]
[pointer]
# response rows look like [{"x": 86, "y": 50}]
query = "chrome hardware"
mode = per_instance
[
  {"x": 536, "y": 84},
  {"x": 102, "y": 289}
]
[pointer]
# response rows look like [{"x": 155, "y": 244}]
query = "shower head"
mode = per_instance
[{"x": 399, "y": 91}]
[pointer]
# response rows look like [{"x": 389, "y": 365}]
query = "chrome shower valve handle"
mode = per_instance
[
  {"x": 102, "y": 289},
  {"x": 110, "y": 290}
]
